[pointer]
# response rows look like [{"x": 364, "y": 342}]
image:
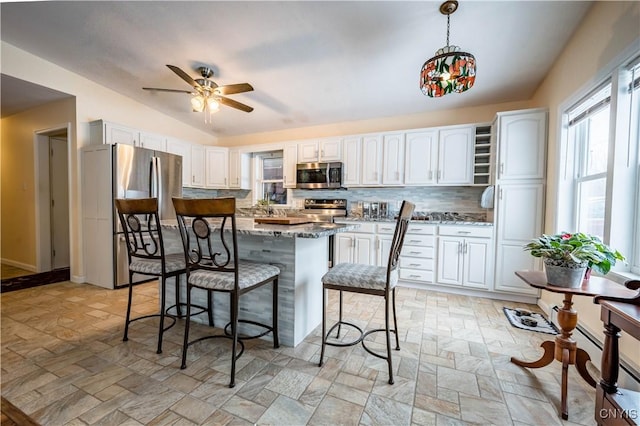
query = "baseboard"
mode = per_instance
[
  {"x": 629, "y": 376},
  {"x": 463, "y": 291},
  {"x": 78, "y": 279},
  {"x": 30, "y": 268}
]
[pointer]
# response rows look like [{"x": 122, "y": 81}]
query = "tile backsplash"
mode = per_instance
[{"x": 427, "y": 198}]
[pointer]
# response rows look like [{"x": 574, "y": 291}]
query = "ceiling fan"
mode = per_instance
[{"x": 206, "y": 94}]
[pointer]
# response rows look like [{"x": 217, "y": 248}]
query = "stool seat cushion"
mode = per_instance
[
  {"x": 360, "y": 276},
  {"x": 249, "y": 274},
  {"x": 173, "y": 263}
]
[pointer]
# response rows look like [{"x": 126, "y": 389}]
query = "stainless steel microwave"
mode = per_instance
[{"x": 319, "y": 175}]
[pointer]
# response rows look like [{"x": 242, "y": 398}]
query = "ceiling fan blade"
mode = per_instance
[
  {"x": 183, "y": 75},
  {"x": 167, "y": 90},
  {"x": 230, "y": 89},
  {"x": 234, "y": 104}
]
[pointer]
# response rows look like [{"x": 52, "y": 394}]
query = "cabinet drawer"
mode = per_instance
[
  {"x": 421, "y": 229},
  {"x": 423, "y": 252},
  {"x": 416, "y": 275},
  {"x": 419, "y": 240},
  {"x": 365, "y": 227},
  {"x": 416, "y": 263},
  {"x": 386, "y": 228},
  {"x": 466, "y": 231}
]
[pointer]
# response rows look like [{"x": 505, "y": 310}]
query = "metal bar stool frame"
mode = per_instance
[
  {"x": 215, "y": 266},
  {"x": 342, "y": 278}
]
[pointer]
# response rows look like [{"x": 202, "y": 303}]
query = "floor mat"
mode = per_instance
[
  {"x": 543, "y": 326},
  {"x": 35, "y": 280}
]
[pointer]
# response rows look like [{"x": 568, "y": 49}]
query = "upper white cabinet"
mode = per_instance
[
  {"x": 198, "y": 166},
  {"x": 289, "y": 162},
  {"x": 393, "y": 159},
  {"x": 178, "y": 147},
  {"x": 371, "y": 160},
  {"x": 101, "y": 131},
  {"x": 239, "y": 169},
  {"x": 217, "y": 170},
  {"x": 522, "y": 140},
  {"x": 324, "y": 150},
  {"x": 153, "y": 141},
  {"x": 421, "y": 149},
  {"x": 351, "y": 161},
  {"x": 455, "y": 156}
]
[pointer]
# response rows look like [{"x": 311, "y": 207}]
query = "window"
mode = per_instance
[
  {"x": 270, "y": 184},
  {"x": 589, "y": 129},
  {"x": 601, "y": 157}
]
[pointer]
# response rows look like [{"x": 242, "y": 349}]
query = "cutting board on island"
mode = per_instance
[{"x": 282, "y": 220}]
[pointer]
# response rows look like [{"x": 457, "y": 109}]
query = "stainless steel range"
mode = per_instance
[{"x": 325, "y": 210}]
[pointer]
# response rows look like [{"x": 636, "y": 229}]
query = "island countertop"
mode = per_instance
[{"x": 247, "y": 226}]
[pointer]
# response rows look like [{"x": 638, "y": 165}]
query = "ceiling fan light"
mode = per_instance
[
  {"x": 213, "y": 104},
  {"x": 197, "y": 103}
]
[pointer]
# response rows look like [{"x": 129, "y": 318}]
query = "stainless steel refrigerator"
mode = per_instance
[
  {"x": 120, "y": 171},
  {"x": 142, "y": 173}
]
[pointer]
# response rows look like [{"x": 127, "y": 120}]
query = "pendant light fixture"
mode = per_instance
[{"x": 450, "y": 70}]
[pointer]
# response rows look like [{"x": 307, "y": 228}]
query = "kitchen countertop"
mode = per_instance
[
  {"x": 247, "y": 226},
  {"x": 425, "y": 222}
]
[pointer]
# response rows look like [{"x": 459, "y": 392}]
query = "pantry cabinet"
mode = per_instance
[{"x": 522, "y": 141}]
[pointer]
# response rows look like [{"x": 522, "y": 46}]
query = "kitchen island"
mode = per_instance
[{"x": 300, "y": 251}]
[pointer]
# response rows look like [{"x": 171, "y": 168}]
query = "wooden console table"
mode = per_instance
[
  {"x": 616, "y": 405},
  {"x": 564, "y": 348}
]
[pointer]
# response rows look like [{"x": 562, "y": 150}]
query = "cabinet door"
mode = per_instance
[
  {"x": 120, "y": 134},
  {"x": 519, "y": 215},
  {"x": 522, "y": 144},
  {"x": 343, "y": 246},
  {"x": 383, "y": 246},
  {"x": 330, "y": 150},
  {"x": 351, "y": 161},
  {"x": 239, "y": 169},
  {"x": 216, "y": 168},
  {"x": 393, "y": 159},
  {"x": 364, "y": 249},
  {"x": 450, "y": 260},
  {"x": 455, "y": 156},
  {"x": 308, "y": 152},
  {"x": 421, "y": 150},
  {"x": 198, "y": 164},
  {"x": 178, "y": 147},
  {"x": 153, "y": 141},
  {"x": 289, "y": 161},
  {"x": 477, "y": 263},
  {"x": 371, "y": 160}
]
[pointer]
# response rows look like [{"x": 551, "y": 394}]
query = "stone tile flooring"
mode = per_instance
[{"x": 64, "y": 362}]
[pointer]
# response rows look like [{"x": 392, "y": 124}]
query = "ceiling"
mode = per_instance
[{"x": 310, "y": 63}]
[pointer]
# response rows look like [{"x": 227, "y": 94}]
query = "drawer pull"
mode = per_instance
[
  {"x": 414, "y": 264},
  {"x": 464, "y": 232},
  {"x": 414, "y": 252},
  {"x": 414, "y": 241},
  {"x": 414, "y": 276},
  {"x": 386, "y": 229}
]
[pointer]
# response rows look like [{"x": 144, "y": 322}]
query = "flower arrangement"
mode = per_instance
[{"x": 577, "y": 248}]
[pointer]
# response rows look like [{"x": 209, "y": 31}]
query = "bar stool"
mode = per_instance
[
  {"x": 145, "y": 247},
  {"x": 367, "y": 279},
  {"x": 211, "y": 255}
]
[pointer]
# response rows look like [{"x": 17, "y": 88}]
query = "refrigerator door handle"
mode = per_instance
[
  {"x": 152, "y": 177},
  {"x": 158, "y": 181}
]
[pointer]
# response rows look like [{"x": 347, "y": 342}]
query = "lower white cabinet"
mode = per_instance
[
  {"x": 417, "y": 259},
  {"x": 358, "y": 246},
  {"x": 465, "y": 256}
]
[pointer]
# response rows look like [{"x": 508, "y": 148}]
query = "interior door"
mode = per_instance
[{"x": 59, "y": 192}]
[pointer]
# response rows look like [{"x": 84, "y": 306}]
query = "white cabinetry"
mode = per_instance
[
  {"x": 455, "y": 156},
  {"x": 178, "y": 147},
  {"x": 522, "y": 145},
  {"x": 323, "y": 150},
  {"x": 417, "y": 259},
  {"x": 198, "y": 166},
  {"x": 351, "y": 161},
  {"x": 371, "y": 160},
  {"x": 358, "y": 246},
  {"x": 289, "y": 162},
  {"x": 101, "y": 131},
  {"x": 519, "y": 213},
  {"x": 393, "y": 159},
  {"x": 217, "y": 170},
  {"x": 420, "y": 151},
  {"x": 153, "y": 141},
  {"x": 465, "y": 256},
  {"x": 239, "y": 169}
]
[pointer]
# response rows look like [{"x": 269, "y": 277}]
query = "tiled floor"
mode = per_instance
[{"x": 64, "y": 362}]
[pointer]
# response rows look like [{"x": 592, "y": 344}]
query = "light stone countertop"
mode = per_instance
[
  {"x": 422, "y": 222},
  {"x": 247, "y": 226}
]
